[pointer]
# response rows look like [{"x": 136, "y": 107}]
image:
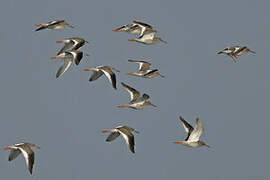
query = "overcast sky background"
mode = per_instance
[{"x": 65, "y": 116}]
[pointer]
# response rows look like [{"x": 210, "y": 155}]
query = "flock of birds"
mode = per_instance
[{"x": 147, "y": 35}]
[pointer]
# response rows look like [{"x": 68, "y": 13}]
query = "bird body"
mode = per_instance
[
  {"x": 135, "y": 28},
  {"x": 148, "y": 37},
  {"x": 57, "y": 24},
  {"x": 145, "y": 31},
  {"x": 71, "y": 44},
  {"x": 107, "y": 70},
  {"x": 235, "y": 51},
  {"x": 129, "y": 28},
  {"x": 144, "y": 70},
  {"x": 137, "y": 101},
  {"x": 193, "y": 138},
  {"x": 67, "y": 58},
  {"x": 126, "y": 132},
  {"x": 26, "y": 150}
]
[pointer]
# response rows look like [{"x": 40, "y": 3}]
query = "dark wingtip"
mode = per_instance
[
  {"x": 181, "y": 118},
  {"x": 40, "y": 28}
]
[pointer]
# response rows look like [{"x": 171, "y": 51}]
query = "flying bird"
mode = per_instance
[
  {"x": 146, "y": 32},
  {"x": 67, "y": 58},
  {"x": 126, "y": 132},
  {"x": 148, "y": 37},
  {"x": 71, "y": 44},
  {"x": 26, "y": 150},
  {"x": 193, "y": 138},
  {"x": 107, "y": 70},
  {"x": 235, "y": 51},
  {"x": 135, "y": 28},
  {"x": 143, "y": 26},
  {"x": 137, "y": 101},
  {"x": 144, "y": 70},
  {"x": 57, "y": 24},
  {"x": 129, "y": 28}
]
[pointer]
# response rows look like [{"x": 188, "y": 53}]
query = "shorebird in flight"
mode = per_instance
[
  {"x": 137, "y": 101},
  {"x": 193, "y": 138},
  {"x": 57, "y": 24},
  {"x": 134, "y": 28},
  {"x": 71, "y": 44},
  {"x": 144, "y": 70},
  {"x": 148, "y": 37},
  {"x": 126, "y": 132},
  {"x": 26, "y": 150},
  {"x": 67, "y": 58},
  {"x": 235, "y": 51},
  {"x": 107, "y": 70},
  {"x": 147, "y": 34}
]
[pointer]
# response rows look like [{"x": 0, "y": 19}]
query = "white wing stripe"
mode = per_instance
[
  {"x": 107, "y": 74},
  {"x": 26, "y": 157}
]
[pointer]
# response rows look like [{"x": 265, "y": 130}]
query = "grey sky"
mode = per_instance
[{"x": 65, "y": 116}]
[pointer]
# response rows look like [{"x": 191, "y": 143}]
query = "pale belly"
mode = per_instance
[
  {"x": 192, "y": 144},
  {"x": 57, "y": 27},
  {"x": 138, "y": 105}
]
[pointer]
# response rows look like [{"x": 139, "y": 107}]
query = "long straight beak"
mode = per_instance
[
  {"x": 252, "y": 52},
  {"x": 105, "y": 131},
  {"x": 153, "y": 105},
  {"x": 88, "y": 69},
  {"x": 117, "y": 30},
  {"x": 161, "y": 75},
  {"x": 8, "y": 148},
  {"x": 164, "y": 41},
  {"x": 177, "y": 142},
  {"x": 55, "y": 57},
  {"x": 122, "y": 106},
  {"x": 59, "y": 41}
]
